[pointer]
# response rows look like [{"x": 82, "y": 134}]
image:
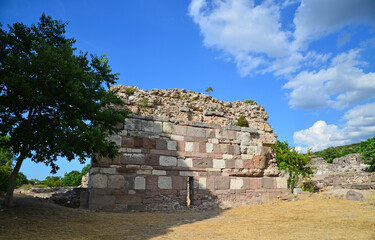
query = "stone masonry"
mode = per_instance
[{"x": 168, "y": 163}]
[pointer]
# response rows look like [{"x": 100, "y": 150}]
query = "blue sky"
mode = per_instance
[{"x": 309, "y": 63}]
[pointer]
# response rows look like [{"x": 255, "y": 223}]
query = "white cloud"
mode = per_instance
[
  {"x": 359, "y": 126},
  {"x": 252, "y": 35},
  {"x": 247, "y": 32},
  {"x": 341, "y": 85},
  {"x": 316, "y": 18}
]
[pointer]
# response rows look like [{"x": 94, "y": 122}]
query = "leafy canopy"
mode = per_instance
[
  {"x": 367, "y": 148},
  {"x": 52, "y": 101},
  {"x": 296, "y": 164}
]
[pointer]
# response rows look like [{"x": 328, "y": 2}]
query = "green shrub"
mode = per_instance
[
  {"x": 294, "y": 163},
  {"x": 130, "y": 90},
  {"x": 242, "y": 122},
  {"x": 5, "y": 172},
  {"x": 209, "y": 90},
  {"x": 367, "y": 148},
  {"x": 249, "y": 101},
  {"x": 73, "y": 178},
  {"x": 142, "y": 104},
  {"x": 52, "y": 181}
]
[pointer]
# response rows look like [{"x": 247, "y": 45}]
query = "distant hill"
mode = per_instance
[{"x": 335, "y": 152}]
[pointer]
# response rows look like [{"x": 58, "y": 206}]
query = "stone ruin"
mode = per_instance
[{"x": 181, "y": 149}]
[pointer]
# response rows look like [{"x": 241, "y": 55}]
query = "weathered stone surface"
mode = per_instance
[
  {"x": 209, "y": 147},
  {"x": 140, "y": 183},
  {"x": 236, "y": 183},
  {"x": 167, "y": 161},
  {"x": 159, "y": 172},
  {"x": 116, "y": 181},
  {"x": 218, "y": 163},
  {"x": 281, "y": 182},
  {"x": 188, "y": 162},
  {"x": 172, "y": 145},
  {"x": 268, "y": 183},
  {"x": 354, "y": 196},
  {"x": 222, "y": 183},
  {"x": 99, "y": 181},
  {"x": 167, "y": 127},
  {"x": 189, "y": 147},
  {"x": 164, "y": 182}
]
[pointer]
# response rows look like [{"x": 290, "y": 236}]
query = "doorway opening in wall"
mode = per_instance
[{"x": 190, "y": 191}]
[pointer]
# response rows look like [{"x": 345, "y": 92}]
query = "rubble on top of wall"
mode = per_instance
[{"x": 183, "y": 105}]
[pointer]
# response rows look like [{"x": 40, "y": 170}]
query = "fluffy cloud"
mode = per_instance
[
  {"x": 341, "y": 85},
  {"x": 250, "y": 34},
  {"x": 359, "y": 125},
  {"x": 316, "y": 18},
  {"x": 254, "y": 37}
]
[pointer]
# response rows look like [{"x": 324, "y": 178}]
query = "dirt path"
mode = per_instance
[{"x": 311, "y": 218}]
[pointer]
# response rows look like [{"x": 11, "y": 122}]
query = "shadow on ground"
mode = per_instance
[{"x": 33, "y": 218}]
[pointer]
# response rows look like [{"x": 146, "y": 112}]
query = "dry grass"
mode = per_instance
[{"x": 311, "y": 218}]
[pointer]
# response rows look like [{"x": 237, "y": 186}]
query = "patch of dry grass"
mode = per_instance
[{"x": 311, "y": 218}]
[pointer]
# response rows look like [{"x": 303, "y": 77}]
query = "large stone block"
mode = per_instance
[
  {"x": 189, "y": 147},
  {"x": 132, "y": 124},
  {"x": 140, "y": 183},
  {"x": 116, "y": 139},
  {"x": 268, "y": 183},
  {"x": 152, "y": 183},
  {"x": 132, "y": 158},
  {"x": 188, "y": 162},
  {"x": 209, "y": 147},
  {"x": 149, "y": 143},
  {"x": 259, "y": 162},
  {"x": 202, "y": 163},
  {"x": 99, "y": 181},
  {"x": 127, "y": 142},
  {"x": 196, "y": 132},
  {"x": 159, "y": 172},
  {"x": 188, "y": 174},
  {"x": 147, "y": 126},
  {"x": 158, "y": 127},
  {"x": 161, "y": 144},
  {"x": 167, "y": 127},
  {"x": 236, "y": 183},
  {"x": 168, "y": 161},
  {"x": 222, "y": 183},
  {"x": 179, "y": 183},
  {"x": 164, "y": 182},
  {"x": 202, "y": 183},
  {"x": 172, "y": 145},
  {"x": 116, "y": 181},
  {"x": 108, "y": 170},
  {"x": 179, "y": 130},
  {"x": 281, "y": 182},
  {"x": 218, "y": 163}
]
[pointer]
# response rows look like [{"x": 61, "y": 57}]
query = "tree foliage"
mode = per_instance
[
  {"x": 367, "y": 149},
  {"x": 54, "y": 103},
  {"x": 296, "y": 164},
  {"x": 209, "y": 90}
]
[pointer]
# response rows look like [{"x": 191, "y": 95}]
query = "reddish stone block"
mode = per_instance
[
  {"x": 196, "y": 132},
  {"x": 232, "y": 134},
  {"x": 255, "y": 183},
  {"x": 149, "y": 143},
  {"x": 200, "y": 155},
  {"x": 266, "y": 150},
  {"x": 248, "y": 164},
  {"x": 202, "y": 147},
  {"x": 179, "y": 183},
  {"x": 246, "y": 184},
  {"x": 210, "y": 133},
  {"x": 231, "y": 149},
  {"x": 152, "y": 183},
  {"x": 217, "y": 148},
  {"x": 127, "y": 142},
  {"x": 138, "y": 142},
  {"x": 210, "y": 184},
  {"x": 161, "y": 144},
  {"x": 128, "y": 199},
  {"x": 222, "y": 183},
  {"x": 229, "y": 163},
  {"x": 224, "y": 148},
  {"x": 173, "y": 173},
  {"x": 168, "y": 192},
  {"x": 259, "y": 162},
  {"x": 268, "y": 183},
  {"x": 179, "y": 130},
  {"x": 152, "y": 160},
  {"x": 181, "y": 146}
]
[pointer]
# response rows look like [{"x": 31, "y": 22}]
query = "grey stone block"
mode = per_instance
[
  {"x": 354, "y": 196},
  {"x": 267, "y": 183},
  {"x": 222, "y": 183}
]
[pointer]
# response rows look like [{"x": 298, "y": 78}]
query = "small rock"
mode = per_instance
[{"x": 354, "y": 196}]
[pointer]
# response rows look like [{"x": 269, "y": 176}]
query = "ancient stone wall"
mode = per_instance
[{"x": 168, "y": 164}]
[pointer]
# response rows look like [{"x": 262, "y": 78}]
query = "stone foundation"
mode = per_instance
[{"x": 167, "y": 165}]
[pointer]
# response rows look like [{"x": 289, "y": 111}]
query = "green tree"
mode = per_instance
[
  {"x": 53, "y": 102},
  {"x": 73, "y": 178},
  {"x": 296, "y": 164},
  {"x": 209, "y": 90},
  {"x": 367, "y": 149}
]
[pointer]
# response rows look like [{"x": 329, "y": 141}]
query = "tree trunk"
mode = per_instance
[{"x": 12, "y": 182}]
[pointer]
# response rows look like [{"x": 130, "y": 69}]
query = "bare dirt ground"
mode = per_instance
[{"x": 315, "y": 217}]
